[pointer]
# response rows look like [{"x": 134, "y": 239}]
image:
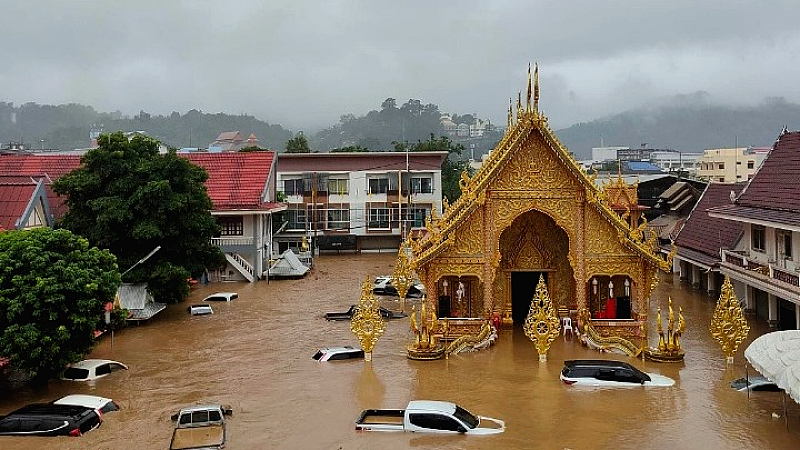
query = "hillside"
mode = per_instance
[{"x": 685, "y": 124}]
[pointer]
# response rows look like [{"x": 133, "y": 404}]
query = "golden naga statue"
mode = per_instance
[
  {"x": 728, "y": 325},
  {"x": 669, "y": 344},
  {"x": 425, "y": 345},
  {"x": 367, "y": 323},
  {"x": 542, "y": 324},
  {"x": 590, "y": 337}
]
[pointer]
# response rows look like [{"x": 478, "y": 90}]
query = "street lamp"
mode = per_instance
[{"x": 152, "y": 252}]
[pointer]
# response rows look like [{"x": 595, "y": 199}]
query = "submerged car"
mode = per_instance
[
  {"x": 755, "y": 384},
  {"x": 91, "y": 369},
  {"x": 347, "y": 315},
  {"x": 221, "y": 297},
  {"x": 383, "y": 286},
  {"x": 48, "y": 419},
  {"x": 338, "y": 353},
  {"x": 100, "y": 404},
  {"x": 609, "y": 373},
  {"x": 200, "y": 310}
]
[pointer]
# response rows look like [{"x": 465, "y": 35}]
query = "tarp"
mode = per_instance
[
  {"x": 136, "y": 299},
  {"x": 777, "y": 356},
  {"x": 288, "y": 265}
]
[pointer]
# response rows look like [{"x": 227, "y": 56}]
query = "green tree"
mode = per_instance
[
  {"x": 53, "y": 287},
  {"x": 128, "y": 198},
  {"x": 298, "y": 144},
  {"x": 350, "y": 149}
]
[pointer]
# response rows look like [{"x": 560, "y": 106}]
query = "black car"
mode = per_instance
[
  {"x": 599, "y": 372},
  {"x": 347, "y": 315},
  {"x": 48, "y": 419}
]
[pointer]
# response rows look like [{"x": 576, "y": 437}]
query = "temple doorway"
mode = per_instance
[{"x": 523, "y": 288}]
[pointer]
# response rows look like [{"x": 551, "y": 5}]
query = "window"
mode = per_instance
[
  {"x": 293, "y": 186},
  {"x": 296, "y": 219},
  {"x": 379, "y": 217},
  {"x": 750, "y": 164},
  {"x": 418, "y": 217},
  {"x": 786, "y": 237},
  {"x": 231, "y": 226},
  {"x": 338, "y": 219},
  {"x": 338, "y": 186},
  {"x": 721, "y": 165},
  {"x": 757, "y": 237},
  {"x": 435, "y": 422},
  {"x": 422, "y": 185},
  {"x": 102, "y": 369},
  {"x": 378, "y": 185}
]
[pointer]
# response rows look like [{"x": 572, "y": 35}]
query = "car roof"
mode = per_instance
[
  {"x": 92, "y": 363},
  {"x": 346, "y": 348},
  {"x": 597, "y": 363},
  {"x": 201, "y": 407},
  {"x": 223, "y": 294},
  {"x": 89, "y": 401},
  {"x": 40, "y": 409},
  {"x": 432, "y": 405}
]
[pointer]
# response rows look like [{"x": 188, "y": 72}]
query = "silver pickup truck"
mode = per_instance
[
  {"x": 199, "y": 428},
  {"x": 429, "y": 417}
]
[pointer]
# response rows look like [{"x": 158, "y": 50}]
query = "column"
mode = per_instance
[
  {"x": 773, "y": 311},
  {"x": 711, "y": 279},
  {"x": 695, "y": 276},
  {"x": 749, "y": 301},
  {"x": 797, "y": 316}
]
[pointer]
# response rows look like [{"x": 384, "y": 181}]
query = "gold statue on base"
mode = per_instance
[
  {"x": 425, "y": 345},
  {"x": 367, "y": 323},
  {"x": 669, "y": 344},
  {"x": 542, "y": 325}
]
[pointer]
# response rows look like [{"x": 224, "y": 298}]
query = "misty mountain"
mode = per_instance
[{"x": 685, "y": 123}]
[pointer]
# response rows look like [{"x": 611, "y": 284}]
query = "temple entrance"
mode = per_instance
[{"x": 523, "y": 287}]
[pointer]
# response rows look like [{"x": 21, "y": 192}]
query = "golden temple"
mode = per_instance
[{"x": 532, "y": 211}]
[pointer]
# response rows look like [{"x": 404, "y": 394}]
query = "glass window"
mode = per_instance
[
  {"x": 338, "y": 186},
  {"x": 296, "y": 219},
  {"x": 102, "y": 369},
  {"x": 434, "y": 422},
  {"x": 421, "y": 185},
  {"x": 757, "y": 237},
  {"x": 379, "y": 218},
  {"x": 418, "y": 217},
  {"x": 378, "y": 185},
  {"x": 750, "y": 164},
  {"x": 465, "y": 416},
  {"x": 787, "y": 244},
  {"x": 293, "y": 186},
  {"x": 231, "y": 226},
  {"x": 721, "y": 165},
  {"x": 338, "y": 218},
  {"x": 74, "y": 373},
  {"x": 199, "y": 416}
]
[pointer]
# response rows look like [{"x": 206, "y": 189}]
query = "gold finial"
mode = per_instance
[
  {"x": 530, "y": 86},
  {"x": 542, "y": 325},
  {"x": 536, "y": 90},
  {"x": 728, "y": 325},
  {"x": 519, "y": 104},
  {"x": 367, "y": 323},
  {"x": 510, "y": 112}
]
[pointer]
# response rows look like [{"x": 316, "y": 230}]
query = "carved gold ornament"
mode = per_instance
[
  {"x": 542, "y": 325},
  {"x": 367, "y": 323},
  {"x": 425, "y": 345},
  {"x": 728, "y": 325},
  {"x": 401, "y": 277}
]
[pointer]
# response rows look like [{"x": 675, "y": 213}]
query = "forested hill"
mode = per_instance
[
  {"x": 689, "y": 125},
  {"x": 67, "y": 127}
]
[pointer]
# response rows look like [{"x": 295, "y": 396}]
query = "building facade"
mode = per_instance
[
  {"x": 730, "y": 165},
  {"x": 357, "y": 201}
]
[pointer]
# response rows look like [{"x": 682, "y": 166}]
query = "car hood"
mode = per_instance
[
  {"x": 488, "y": 425},
  {"x": 657, "y": 380}
]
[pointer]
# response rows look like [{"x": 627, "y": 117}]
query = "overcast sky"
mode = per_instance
[{"x": 302, "y": 64}]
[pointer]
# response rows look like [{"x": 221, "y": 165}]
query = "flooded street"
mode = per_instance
[{"x": 255, "y": 355}]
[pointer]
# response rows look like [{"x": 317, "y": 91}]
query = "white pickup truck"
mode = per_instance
[
  {"x": 426, "y": 416},
  {"x": 200, "y": 427}
]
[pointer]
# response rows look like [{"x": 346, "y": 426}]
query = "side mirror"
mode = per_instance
[
  {"x": 174, "y": 417},
  {"x": 461, "y": 429}
]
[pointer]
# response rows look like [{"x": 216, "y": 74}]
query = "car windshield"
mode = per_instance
[
  {"x": 467, "y": 417},
  {"x": 74, "y": 373}
]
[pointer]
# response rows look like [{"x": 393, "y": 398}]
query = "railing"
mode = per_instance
[
  {"x": 231, "y": 241},
  {"x": 769, "y": 270},
  {"x": 243, "y": 262}
]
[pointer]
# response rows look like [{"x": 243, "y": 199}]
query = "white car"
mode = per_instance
[
  {"x": 100, "y": 404},
  {"x": 221, "y": 297},
  {"x": 755, "y": 384},
  {"x": 607, "y": 373},
  {"x": 383, "y": 286},
  {"x": 91, "y": 369},
  {"x": 200, "y": 310},
  {"x": 337, "y": 353}
]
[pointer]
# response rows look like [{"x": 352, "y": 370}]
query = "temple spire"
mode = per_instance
[
  {"x": 528, "y": 103},
  {"x": 535, "y": 89},
  {"x": 519, "y": 105}
]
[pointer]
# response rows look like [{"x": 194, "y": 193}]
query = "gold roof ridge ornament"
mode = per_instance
[
  {"x": 367, "y": 323},
  {"x": 728, "y": 325},
  {"x": 542, "y": 325}
]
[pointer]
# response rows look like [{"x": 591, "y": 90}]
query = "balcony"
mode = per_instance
[
  {"x": 769, "y": 272},
  {"x": 233, "y": 243}
]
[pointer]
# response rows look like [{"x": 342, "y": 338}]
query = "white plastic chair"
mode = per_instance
[{"x": 566, "y": 325}]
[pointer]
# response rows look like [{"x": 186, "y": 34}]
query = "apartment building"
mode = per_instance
[
  {"x": 356, "y": 201},
  {"x": 764, "y": 265},
  {"x": 730, "y": 165}
]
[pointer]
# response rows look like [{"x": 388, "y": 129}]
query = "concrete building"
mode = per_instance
[{"x": 730, "y": 165}]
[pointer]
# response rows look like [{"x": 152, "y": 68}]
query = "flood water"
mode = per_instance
[{"x": 255, "y": 355}]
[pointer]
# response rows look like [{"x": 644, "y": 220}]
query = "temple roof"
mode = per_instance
[{"x": 702, "y": 236}]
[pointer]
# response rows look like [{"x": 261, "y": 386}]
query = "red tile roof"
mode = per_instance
[
  {"x": 236, "y": 181},
  {"x": 52, "y": 166},
  {"x": 775, "y": 185},
  {"x": 14, "y": 199},
  {"x": 704, "y": 234}
]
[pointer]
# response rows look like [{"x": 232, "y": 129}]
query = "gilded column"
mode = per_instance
[
  {"x": 580, "y": 255},
  {"x": 488, "y": 251}
]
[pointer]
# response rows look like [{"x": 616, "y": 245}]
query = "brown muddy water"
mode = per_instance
[{"x": 255, "y": 354}]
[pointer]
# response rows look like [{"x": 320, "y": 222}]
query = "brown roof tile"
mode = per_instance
[
  {"x": 704, "y": 234},
  {"x": 775, "y": 185}
]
